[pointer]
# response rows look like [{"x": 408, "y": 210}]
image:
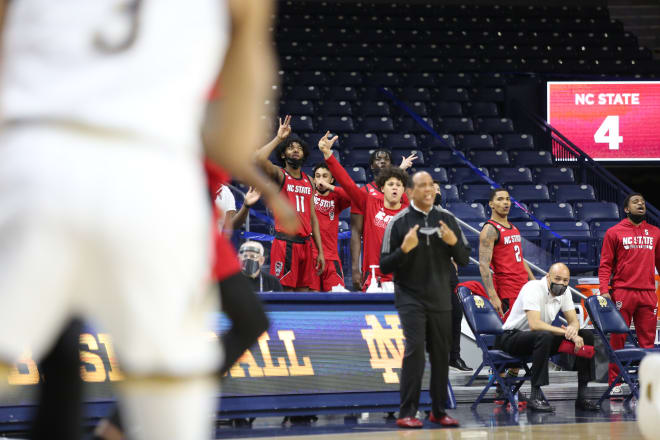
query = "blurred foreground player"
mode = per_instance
[{"x": 104, "y": 171}]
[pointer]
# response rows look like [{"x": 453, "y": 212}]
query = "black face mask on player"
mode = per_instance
[
  {"x": 294, "y": 163},
  {"x": 636, "y": 218}
]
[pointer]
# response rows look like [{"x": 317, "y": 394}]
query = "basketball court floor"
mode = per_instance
[{"x": 489, "y": 421}]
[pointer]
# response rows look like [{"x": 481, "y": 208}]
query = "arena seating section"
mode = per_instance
[{"x": 451, "y": 66}]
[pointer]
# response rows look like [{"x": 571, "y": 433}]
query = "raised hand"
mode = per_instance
[
  {"x": 326, "y": 143},
  {"x": 284, "y": 130},
  {"x": 251, "y": 197},
  {"x": 407, "y": 162},
  {"x": 411, "y": 240}
]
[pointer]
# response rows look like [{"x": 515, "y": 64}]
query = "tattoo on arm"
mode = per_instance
[{"x": 486, "y": 243}]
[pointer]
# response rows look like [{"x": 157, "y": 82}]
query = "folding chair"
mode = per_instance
[
  {"x": 485, "y": 324},
  {"x": 607, "y": 320}
]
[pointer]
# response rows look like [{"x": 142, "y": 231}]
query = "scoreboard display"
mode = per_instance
[{"x": 610, "y": 121}]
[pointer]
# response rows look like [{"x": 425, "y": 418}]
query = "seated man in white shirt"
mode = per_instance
[{"x": 529, "y": 331}]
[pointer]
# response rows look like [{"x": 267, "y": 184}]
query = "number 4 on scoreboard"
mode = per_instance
[{"x": 608, "y": 133}]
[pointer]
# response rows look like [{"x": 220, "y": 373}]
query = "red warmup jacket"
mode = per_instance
[{"x": 629, "y": 256}]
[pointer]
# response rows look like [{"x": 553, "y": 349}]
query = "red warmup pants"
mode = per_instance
[{"x": 642, "y": 307}]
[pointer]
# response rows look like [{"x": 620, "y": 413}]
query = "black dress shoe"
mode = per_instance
[
  {"x": 587, "y": 405},
  {"x": 539, "y": 405},
  {"x": 459, "y": 364}
]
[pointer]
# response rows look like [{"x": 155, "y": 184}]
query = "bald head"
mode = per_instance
[
  {"x": 559, "y": 268},
  {"x": 558, "y": 274},
  {"x": 423, "y": 192}
]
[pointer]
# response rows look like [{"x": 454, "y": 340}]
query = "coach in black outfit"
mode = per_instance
[{"x": 418, "y": 245}]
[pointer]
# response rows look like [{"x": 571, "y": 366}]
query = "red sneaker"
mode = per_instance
[
  {"x": 445, "y": 420},
  {"x": 409, "y": 422}
]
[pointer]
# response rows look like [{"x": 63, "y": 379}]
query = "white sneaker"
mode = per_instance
[{"x": 616, "y": 393}]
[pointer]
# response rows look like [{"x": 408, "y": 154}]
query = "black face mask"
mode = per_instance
[
  {"x": 636, "y": 218},
  {"x": 438, "y": 200},
  {"x": 557, "y": 289},
  {"x": 294, "y": 163},
  {"x": 250, "y": 267}
]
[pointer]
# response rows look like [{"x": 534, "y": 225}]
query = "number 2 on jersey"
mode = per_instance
[
  {"x": 516, "y": 250},
  {"x": 300, "y": 203}
]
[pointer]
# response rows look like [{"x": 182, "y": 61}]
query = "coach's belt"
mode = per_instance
[{"x": 291, "y": 238}]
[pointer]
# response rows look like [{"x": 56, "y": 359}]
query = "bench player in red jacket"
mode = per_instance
[{"x": 628, "y": 260}]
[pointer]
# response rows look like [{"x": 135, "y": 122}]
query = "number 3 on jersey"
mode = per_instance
[
  {"x": 300, "y": 203},
  {"x": 516, "y": 250}
]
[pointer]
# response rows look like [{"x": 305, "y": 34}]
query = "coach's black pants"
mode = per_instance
[
  {"x": 541, "y": 345},
  {"x": 424, "y": 331},
  {"x": 456, "y": 318}
]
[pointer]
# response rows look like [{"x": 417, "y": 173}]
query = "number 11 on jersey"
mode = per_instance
[{"x": 300, "y": 203}]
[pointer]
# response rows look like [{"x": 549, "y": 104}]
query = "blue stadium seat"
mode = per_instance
[
  {"x": 475, "y": 141},
  {"x": 345, "y": 215},
  {"x": 438, "y": 174},
  {"x": 529, "y": 193},
  {"x": 529, "y": 229},
  {"x": 597, "y": 211},
  {"x": 568, "y": 229},
  {"x": 343, "y": 224},
  {"x": 315, "y": 156},
  {"x": 377, "y": 124},
  {"x": 550, "y": 175},
  {"x": 357, "y": 158},
  {"x": 486, "y": 158},
  {"x": 463, "y": 175},
  {"x": 459, "y": 79},
  {"x": 411, "y": 94},
  {"x": 495, "y": 125},
  {"x": 397, "y": 153},
  {"x": 515, "y": 141},
  {"x": 455, "y": 125},
  {"x": 374, "y": 108},
  {"x": 382, "y": 79},
  {"x": 301, "y": 92},
  {"x": 505, "y": 176},
  {"x": 482, "y": 109},
  {"x": 573, "y": 193},
  {"x": 302, "y": 123},
  {"x": 361, "y": 141},
  {"x": 452, "y": 108},
  {"x": 516, "y": 213},
  {"x": 342, "y": 93},
  {"x": 420, "y": 79},
  {"x": 467, "y": 211},
  {"x": 304, "y": 107},
  {"x": 315, "y": 78},
  {"x": 353, "y": 78},
  {"x": 531, "y": 159},
  {"x": 493, "y": 94},
  {"x": 551, "y": 211},
  {"x": 410, "y": 125},
  {"x": 419, "y": 107},
  {"x": 395, "y": 140},
  {"x": 459, "y": 94},
  {"x": 598, "y": 228},
  {"x": 335, "y": 108},
  {"x": 443, "y": 158},
  {"x": 476, "y": 192},
  {"x": 358, "y": 174},
  {"x": 336, "y": 124},
  {"x": 449, "y": 193},
  {"x": 430, "y": 142}
]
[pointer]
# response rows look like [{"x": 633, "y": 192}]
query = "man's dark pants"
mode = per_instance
[
  {"x": 424, "y": 330},
  {"x": 541, "y": 345}
]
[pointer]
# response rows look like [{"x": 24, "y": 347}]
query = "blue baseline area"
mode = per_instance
[{"x": 325, "y": 353}]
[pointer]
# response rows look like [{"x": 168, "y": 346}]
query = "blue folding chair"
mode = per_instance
[
  {"x": 607, "y": 320},
  {"x": 486, "y": 324}
]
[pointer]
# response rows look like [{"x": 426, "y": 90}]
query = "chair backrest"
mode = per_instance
[
  {"x": 480, "y": 313},
  {"x": 605, "y": 316}
]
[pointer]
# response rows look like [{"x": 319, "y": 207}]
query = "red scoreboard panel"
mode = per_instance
[{"x": 613, "y": 121}]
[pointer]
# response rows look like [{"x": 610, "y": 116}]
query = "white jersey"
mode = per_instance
[{"x": 138, "y": 67}]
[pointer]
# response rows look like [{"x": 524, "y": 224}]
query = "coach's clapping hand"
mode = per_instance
[
  {"x": 411, "y": 240},
  {"x": 447, "y": 234}
]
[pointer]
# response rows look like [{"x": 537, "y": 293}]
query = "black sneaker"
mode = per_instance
[
  {"x": 586, "y": 405},
  {"x": 539, "y": 405},
  {"x": 459, "y": 365}
]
